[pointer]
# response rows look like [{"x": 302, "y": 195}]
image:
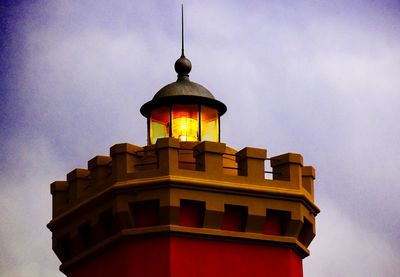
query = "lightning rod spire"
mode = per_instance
[
  {"x": 183, "y": 38},
  {"x": 183, "y": 65}
]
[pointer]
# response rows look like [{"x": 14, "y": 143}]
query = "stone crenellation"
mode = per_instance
[{"x": 182, "y": 187}]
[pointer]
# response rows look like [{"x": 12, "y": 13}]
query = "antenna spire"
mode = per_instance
[
  {"x": 183, "y": 65},
  {"x": 183, "y": 38}
]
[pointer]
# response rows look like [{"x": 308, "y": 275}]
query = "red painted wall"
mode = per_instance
[
  {"x": 194, "y": 257},
  {"x": 185, "y": 256},
  {"x": 145, "y": 257}
]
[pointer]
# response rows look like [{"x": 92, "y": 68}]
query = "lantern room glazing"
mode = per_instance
[
  {"x": 186, "y": 122},
  {"x": 184, "y": 110}
]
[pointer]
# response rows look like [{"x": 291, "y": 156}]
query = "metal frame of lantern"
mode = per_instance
[
  {"x": 201, "y": 115},
  {"x": 183, "y": 92}
]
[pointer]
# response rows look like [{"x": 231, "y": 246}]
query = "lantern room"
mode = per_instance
[{"x": 184, "y": 110}]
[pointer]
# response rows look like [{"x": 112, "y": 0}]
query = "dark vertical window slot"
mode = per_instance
[
  {"x": 235, "y": 218},
  {"x": 64, "y": 244},
  {"x": 107, "y": 223},
  {"x": 276, "y": 222},
  {"x": 191, "y": 213},
  {"x": 85, "y": 234},
  {"x": 146, "y": 213},
  {"x": 306, "y": 234}
]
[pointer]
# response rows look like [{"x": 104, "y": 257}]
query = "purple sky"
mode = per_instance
[{"x": 316, "y": 77}]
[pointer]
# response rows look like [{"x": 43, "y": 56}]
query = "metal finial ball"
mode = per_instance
[{"x": 183, "y": 66}]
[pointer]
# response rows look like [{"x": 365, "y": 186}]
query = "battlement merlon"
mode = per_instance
[{"x": 251, "y": 162}]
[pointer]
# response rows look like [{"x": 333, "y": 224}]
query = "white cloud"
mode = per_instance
[
  {"x": 345, "y": 248},
  {"x": 25, "y": 209}
]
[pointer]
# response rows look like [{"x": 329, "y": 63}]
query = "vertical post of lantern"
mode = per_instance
[
  {"x": 219, "y": 129},
  {"x": 199, "y": 113},
  {"x": 148, "y": 131},
  {"x": 170, "y": 120}
]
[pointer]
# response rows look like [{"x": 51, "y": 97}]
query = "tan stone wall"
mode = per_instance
[{"x": 94, "y": 206}]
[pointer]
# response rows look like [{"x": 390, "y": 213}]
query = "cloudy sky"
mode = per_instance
[{"x": 316, "y": 77}]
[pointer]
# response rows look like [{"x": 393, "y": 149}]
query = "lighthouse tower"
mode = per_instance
[{"x": 185, "y": 204}]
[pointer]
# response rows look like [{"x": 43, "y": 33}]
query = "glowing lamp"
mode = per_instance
[
  {"x": 185, "y": 128},
  {"x": 184, "y": 110}
]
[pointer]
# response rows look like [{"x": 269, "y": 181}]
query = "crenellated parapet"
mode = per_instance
[{"x": 201, "y": 189}]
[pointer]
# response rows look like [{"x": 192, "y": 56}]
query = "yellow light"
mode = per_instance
[
  {"x": 209, "y": 124},
  {"x": 185, "y": 129}
]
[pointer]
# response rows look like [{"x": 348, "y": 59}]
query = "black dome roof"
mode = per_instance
[
  {"x": 183, "y": 87},
  {"x": 183, "y": 91}
]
